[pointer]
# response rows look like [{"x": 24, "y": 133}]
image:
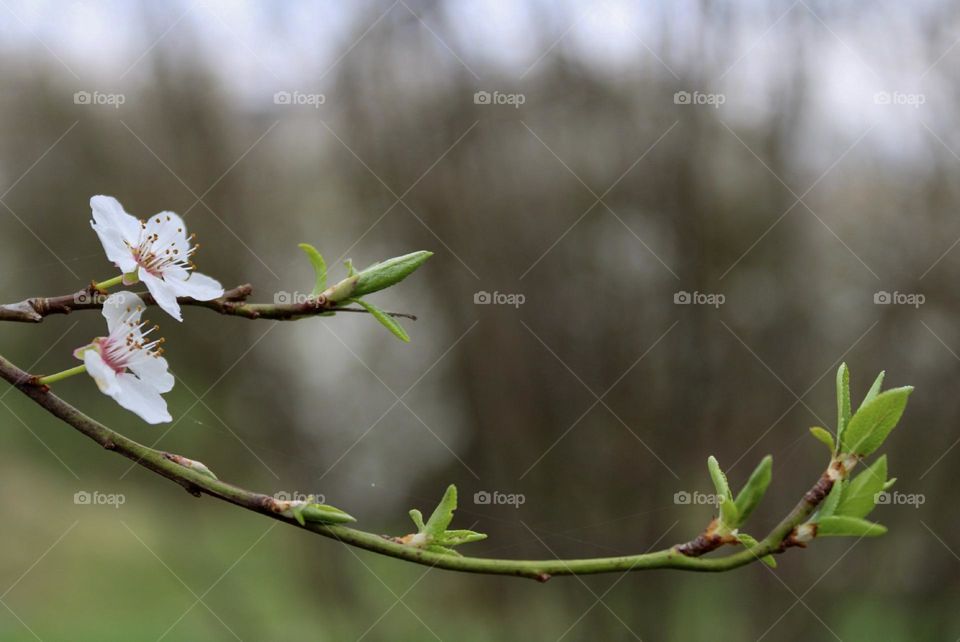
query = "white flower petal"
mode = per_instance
[
  {"x": 118, "y": 231},
  {"x": 117, "y": 251},
  {"x": 199, "y": 286},
  {"x": 153, "y": 371},
  {"x": 121, "y": 308},
  {"x": 171, "y": 232},
  {"x": 163, "y": 294},
  {"x": 103, "y": 374},
  {"x": 136, "y": 396},
  {"x": 108, "y": 212}
]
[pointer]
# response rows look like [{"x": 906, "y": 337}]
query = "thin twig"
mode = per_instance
[
  {"x": 682, "y": 556},
  {"x": 232, "y": 303}
]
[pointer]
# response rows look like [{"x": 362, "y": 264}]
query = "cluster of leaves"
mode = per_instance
[
  {"x": 357, "y": 284},
  {"x": 434, "y": 535},
  {"x": 734, "y": 510},
  {"x": 849, "y": 502},
  {"x": 859, "y": 435}
]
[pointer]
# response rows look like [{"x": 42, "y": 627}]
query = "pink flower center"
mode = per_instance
[{"x": 157, "y": 255}]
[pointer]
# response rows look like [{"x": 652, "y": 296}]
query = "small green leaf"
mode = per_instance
[
  {"x": 753, "y": 491},
  {"x": 858, "y": 495},
  {"x": 443, "y": 514},
  {"x": 829, "y": 505},
  {"x": 458, "y": 537},
  {"x": 350, "y": 269},
  {"x": 382, "y": 275},
  {"x": 874, "y": 420},
  {"x": 749, "y": 542},
  {"x": 719, "y": 479},
  {"x": 874, "y": 390},
  {"x": 843, "y": 399},
  {"x": 728, "y": 513},
  {"x": 310, "y": 511},
  {"x": 889, "y": 483},
  {"x": 319, "y": 267},
  {"x": 417, "y": 518},
  {"x": 824, "y": 437},
  {"x": 849, "y": 526},
  {"x": 325, "y": 514},
  {"x": 385, "y": 319}
]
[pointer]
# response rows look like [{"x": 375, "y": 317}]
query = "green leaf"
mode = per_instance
[
  {"x": 326, "y": 514},
  {"x": 310, "y": 511},
  {"x": 824, "y": 436},
  {"x": 858, "y": 495},
  {"x": 874, "y": 390},
  {"x": 829, "y": 505},
  {"x": 457, "y": 537},
  {"x": 319, "y": 267},
  {"x": 889, "y": 483},
  {"x": 434, "y": 536},
  {"x": 728, "y": 513},
  {"x": 382, "y": 275},
  {"x": 350, "y": 269},
  {"x": 874, "y": 420},
  {"x": 719, "y": 479},
  {"x": 753, "y": 491},
  {"x": 443, "y": 514},
  {"x": 417, "y": 518},
  {"x": 385, "y": 319},
  {"x": 749, "y": 541},
  {"x": 849, "y": 526},
  {"x": 843, "y": 399}
]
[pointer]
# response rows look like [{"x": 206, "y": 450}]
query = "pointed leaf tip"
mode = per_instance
[
  {"x": 443, "y": 513},
  {"x": 385, "y": 320},
  {"x": 843, "y": 398},
  {"x": 869, "y": 428},
  {"x": 823, "y": 435},
  {"x": 719, "y": 479},
  {"x": 755, "y": 488},
  {"x": 840, "y": 526},
  {"x": 874, "y": 390},
  {"x": 319, "y": 267},
  {"x": 390, "y": 272}
]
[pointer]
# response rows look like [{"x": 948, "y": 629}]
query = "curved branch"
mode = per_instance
[
  {"x": 232, "y": 303},
  {"x": 681, "y": 556}
]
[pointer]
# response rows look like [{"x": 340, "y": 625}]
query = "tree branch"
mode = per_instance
[
  {"x": 232, "y": 303},
  {"x": 682, "y": 556}
]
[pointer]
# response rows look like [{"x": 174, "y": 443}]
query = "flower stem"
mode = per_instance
[
  {"x": 62, "y": 375},
  {"x": 109, "y": 283}
]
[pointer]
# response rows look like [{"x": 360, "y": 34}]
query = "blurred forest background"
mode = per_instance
[{"x": 810, "y": 166}]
